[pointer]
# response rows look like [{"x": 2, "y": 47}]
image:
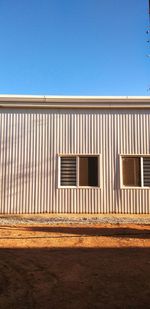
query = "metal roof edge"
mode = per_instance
[
  {"x": 63, "y": 97},
  {"x": 37, "y": 101}
]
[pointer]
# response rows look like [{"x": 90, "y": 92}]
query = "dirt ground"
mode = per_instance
[{"x": 74, "y": 266}]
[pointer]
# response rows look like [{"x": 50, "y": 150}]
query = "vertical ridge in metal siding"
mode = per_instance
[
  {"x": 43, "y": 159},
  {"x": 50, "y": 163},
  {"x": 46, "y": 167},
  {"x": 106, "y": 154},
  {"x": 50, "y": 133},
  {"x": 103, "y": 158},
  {"x": 30, "y": 116},
  {"x": 39, "y": 162},
  {"x": 24, "y": 164},
  {"x": 45, "y": 163},
  {"x": 5, "y": 142},
  {"x": 56, "y": 158},
  {"x": 34, "y": 163},
  {"x": 8, "y": 168},
  {"x": 27, "y": 162},
  {"x": 100, "y": 204}
]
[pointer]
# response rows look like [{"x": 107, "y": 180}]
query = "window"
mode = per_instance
[
  {"x": 88, "y": 171},
  {"x": 79, "y": 171},
  {"x": 136, "y": 171},
  {"x": 131, "y": 171},
  {"x": 68, "y": 171},
  {"x": 146, "y": 172}
]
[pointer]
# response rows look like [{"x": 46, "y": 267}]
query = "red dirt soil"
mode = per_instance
[{"x": 74, "y": 266}]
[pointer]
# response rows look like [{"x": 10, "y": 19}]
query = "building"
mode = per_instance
[{"x": 74, "y": 154}]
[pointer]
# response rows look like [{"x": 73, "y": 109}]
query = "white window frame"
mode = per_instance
[
  {"x": 77, "y": 170},
  {"x": 141, "y": 156}
]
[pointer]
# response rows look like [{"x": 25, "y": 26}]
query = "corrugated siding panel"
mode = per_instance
[{"x": 31, "y": 140}]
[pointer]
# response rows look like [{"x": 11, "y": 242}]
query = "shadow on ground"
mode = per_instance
[
  {"x": 68, "y": 231},
  {"x": 90, "y": 231},
  {"x": 75, "y": 278}
]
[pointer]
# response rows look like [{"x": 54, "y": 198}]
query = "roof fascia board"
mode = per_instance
[{"x": 75, "y": 102}]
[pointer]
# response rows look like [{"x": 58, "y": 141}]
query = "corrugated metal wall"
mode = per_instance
[{"x": 29, "y": 144}]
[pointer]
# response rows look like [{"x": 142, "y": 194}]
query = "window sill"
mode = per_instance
[
  {"x": 137, "y": 188},
  {"x": 86, "y": 187}
]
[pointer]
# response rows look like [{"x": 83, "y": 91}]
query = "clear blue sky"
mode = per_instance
[{"x": 74, "y": 47}]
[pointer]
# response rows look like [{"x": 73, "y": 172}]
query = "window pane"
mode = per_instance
[
  {"x": 88, "y": 171},
  {"x": 68, "y": 171},
  {"x": 131, "y": 171},
  {"x": 146, "y": 171}
]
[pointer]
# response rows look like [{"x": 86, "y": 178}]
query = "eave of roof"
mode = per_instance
[{"x": 74, "y": 102}]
